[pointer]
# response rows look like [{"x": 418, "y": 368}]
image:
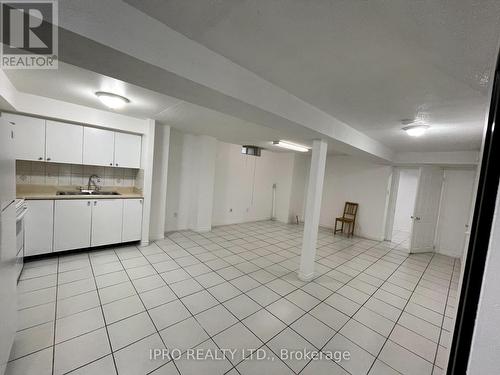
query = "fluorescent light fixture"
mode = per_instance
[
  {"x": 291, "y": 146},
  {"x": 111, "y": 100},
  {"x": 416, "y": 130}
]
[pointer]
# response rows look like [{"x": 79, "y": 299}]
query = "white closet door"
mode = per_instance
[
  {"x": 426, "y": 209},
  {"x": 64, "y": 142},
  {"x": 98, "y": 146},
  {"x": 454, "y": 212}
]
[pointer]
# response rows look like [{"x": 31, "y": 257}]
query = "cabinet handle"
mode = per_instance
[
  {"x": 95, "y": 203},
  {"x": 88, "y": 203},
  {"x": 48, "y": 159},
  {"x": 116, "y": 164},
  {"x": 40, "y": 158},
  {"x": 111, "y": 164}
]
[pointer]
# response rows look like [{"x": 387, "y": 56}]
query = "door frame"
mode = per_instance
[{"x": 480, "y": 232}]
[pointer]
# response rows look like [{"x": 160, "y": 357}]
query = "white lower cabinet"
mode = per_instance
[
  {"x": 107, "y": 217},
  {"x": 72, "y": 224},
  {"x": 132, "y": 220},
  {"x": 38, "y": 227},
  {"x": 68, "y": 224}
]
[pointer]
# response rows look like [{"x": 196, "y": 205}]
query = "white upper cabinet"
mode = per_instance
[
  {"x": 29, "y": 136},
  {"x": 98, "y": 146},
  {"x": 59, "y": 142},
  {"x": 107, "y": 216},
  {"x": 127, "y": 150},
  {"x": 64, "y": 143}
]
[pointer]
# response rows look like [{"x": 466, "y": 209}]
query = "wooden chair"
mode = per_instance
[{"x": 348, "y": 217}]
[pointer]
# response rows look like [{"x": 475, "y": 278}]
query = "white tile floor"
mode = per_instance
[{"x": 100, "y": 312}]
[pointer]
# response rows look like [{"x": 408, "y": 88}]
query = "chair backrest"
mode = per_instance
[{"x": 350, "y": 210}]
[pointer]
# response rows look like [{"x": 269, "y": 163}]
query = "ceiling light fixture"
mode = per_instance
[
  {"x": 416, "y": 130},
  {"x": 111, "y": 100},
  {"x": 291, "y": 146}
]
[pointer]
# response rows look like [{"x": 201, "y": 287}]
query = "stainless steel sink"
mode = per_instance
[
  {"x": 73, "y": 193},
  {"x": 87, "y": 193}
]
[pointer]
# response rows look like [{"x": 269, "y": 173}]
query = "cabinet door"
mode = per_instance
[
  {"x": 38, "y": 227},
  {"x": 127, "y": 150},
  {"x": 98, "y": 146},
  {"x": 106, "y": 221},
  {"x": 72, "y": 220},
  {"x": 29, "y": 136},
  {"x": 64, "y": 142},
  {"x": 132, "y": 220}
]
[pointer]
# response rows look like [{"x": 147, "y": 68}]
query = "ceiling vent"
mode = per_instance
[{"x": 250, "y": 150}]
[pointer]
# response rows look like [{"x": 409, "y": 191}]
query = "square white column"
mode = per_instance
[{"x": 313, "y": 209}]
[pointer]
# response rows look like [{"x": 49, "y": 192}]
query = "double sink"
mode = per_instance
[{"x": 87, "y": 192}]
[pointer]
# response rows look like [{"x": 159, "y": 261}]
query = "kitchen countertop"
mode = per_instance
[{"x": 32, "y": 192}]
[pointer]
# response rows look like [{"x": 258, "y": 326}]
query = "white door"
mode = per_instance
[
  {"x": 426, "y": 209},
  {"x": 455, "y": 211},
  {"x": 127, "y": 150},
  {"x": 98, "y": 146},
  {"x": 107, "y": 219},
  {"x": 64, "y": 142},
  {"x": 132, "y": 220},
  {"x": 39, "y": 227},
  {"x": 72, "y": 220},
  {"x": 29, "y": 136}
]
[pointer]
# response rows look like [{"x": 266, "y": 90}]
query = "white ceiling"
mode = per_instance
[
  {"x": 368, "y": 63},
  {"x": 76, "y": 85}
]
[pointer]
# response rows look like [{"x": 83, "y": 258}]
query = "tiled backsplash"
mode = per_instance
[{"x": 42, "y": 173}]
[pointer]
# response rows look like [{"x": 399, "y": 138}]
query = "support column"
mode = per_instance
[
  {"x": 148, "y": 144},
  {"x": 159, "y": 188},
  {"x": 313, "y": 208},
  {"x": 207, "y": 148}
]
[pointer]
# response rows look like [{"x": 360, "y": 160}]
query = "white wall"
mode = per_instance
[
  {"x": 485, "y": 344},
  {"x": 242, "y": 186},
  {"x": 347, "y": 178},
  {"x": 300, "y": 180},
  {"x": 455, "y": 210},
  {"x": 356, "y": 180},
  {"x": 405, "y": 201}
]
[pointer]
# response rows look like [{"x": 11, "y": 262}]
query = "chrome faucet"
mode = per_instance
[{"x": 92, "y": 182}]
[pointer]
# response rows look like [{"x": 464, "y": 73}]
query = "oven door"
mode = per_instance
[{"x": 20, "y": 239}]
